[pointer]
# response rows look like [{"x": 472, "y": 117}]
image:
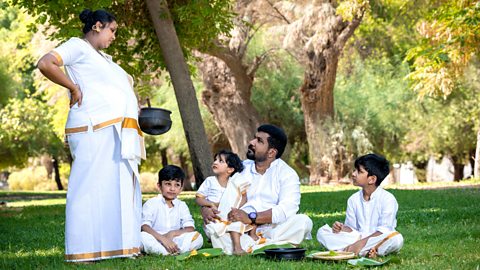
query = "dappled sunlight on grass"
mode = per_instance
[
  {"x": 55, "y": 251},
  {"x": 325, "y": 215},
  {"x": 37, "y": 202}
]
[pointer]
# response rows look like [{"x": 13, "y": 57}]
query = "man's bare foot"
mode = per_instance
[
  {"x": 240, "y": 252},
  {"x": 254, "y": 236}
]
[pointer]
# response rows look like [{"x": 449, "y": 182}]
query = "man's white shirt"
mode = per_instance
[{"x": 277, "y": 189}]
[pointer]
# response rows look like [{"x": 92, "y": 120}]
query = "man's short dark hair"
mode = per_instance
[
  {"x": 171, "y": 172},
  {"x": 277, "y": 138},
  {"x": 232, "y": 160},
  {"x": 375, "y": 165}
]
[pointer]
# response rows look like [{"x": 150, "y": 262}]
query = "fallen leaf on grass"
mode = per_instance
[
  {"x": 206, "y": 252},
  {"x": 366, "y": 262}
]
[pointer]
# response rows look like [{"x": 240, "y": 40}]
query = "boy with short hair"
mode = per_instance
[
  {"x": 167, "y": 225},
  {"x": 369, "y": 228}
]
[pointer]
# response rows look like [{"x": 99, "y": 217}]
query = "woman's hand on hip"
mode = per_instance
[{"x": 75, "y": 96}]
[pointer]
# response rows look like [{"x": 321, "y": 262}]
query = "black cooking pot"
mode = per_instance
[
  {"x": 285, "y": 253},
  {"x": 154, "y": 121}
]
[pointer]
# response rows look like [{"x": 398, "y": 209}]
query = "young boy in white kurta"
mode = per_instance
[
  {"x": 369, "y": 228},
  {"x": 167, "y": 225},
  {"x": 222, "y": 192}
]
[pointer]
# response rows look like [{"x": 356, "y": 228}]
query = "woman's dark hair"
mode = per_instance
[
  {"x": 232, "y": 160},
  {"x": 90, "y": 18}
]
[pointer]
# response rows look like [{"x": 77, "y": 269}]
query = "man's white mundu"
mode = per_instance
[
  {"x": 103, "y": 210},
  {"x": 365, "y": 218},
  {"x": 277, "y": 189}
]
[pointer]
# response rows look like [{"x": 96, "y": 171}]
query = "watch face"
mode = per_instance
[{"x": 252, "y": 215}]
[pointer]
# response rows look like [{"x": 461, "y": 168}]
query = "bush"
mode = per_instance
[
  {"x": 148, "y": 182},
  {"x": 31, "y": 178}
]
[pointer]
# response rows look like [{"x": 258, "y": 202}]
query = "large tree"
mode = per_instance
[
  {"x": 228, "y": 75},
  {"x": 140, "y": 52},
  {"x": 316, "y": 33}
]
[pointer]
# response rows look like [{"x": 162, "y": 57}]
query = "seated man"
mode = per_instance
[
  {"x": 273, "y": 198},
  {"x": 369, "y": 228}
]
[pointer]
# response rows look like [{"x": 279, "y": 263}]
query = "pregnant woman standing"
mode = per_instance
[{"x": 103, "y": 211}]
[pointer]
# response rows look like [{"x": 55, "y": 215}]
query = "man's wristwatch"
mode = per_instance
[{"x": 253, "y": 217}]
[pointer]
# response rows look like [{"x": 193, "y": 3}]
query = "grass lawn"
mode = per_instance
[{"x": 441, "y": 228}]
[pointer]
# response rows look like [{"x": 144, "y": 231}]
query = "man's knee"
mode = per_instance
[{"x": 302, "y": 219}]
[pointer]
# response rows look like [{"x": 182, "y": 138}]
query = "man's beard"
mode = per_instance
[{"x": 250, "y": 154}]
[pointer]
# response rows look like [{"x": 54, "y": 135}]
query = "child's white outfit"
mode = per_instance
[
  {"x": 365, "y": 218},
  {"x": 164, "y": 219},
  {"x": 226, "y": 198}
]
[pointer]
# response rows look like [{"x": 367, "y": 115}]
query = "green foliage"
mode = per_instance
[
  {"x": 389, "y": 27},
  {"x": 451, "y": 37},
  {"x": 136, "y": 47},
  {"x": 370, "y": 100},
  {"x": 8, "y": 85},
  {"x": 444, "y": 126},
  {"x": 26, "y": 132}
]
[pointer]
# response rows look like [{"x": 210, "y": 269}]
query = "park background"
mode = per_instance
[{"x": 343, "y": 78}]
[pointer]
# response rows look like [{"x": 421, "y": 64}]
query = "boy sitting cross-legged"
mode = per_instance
[
  {"x": 167, "y": 226},
  {"x": 369, "y": 228}
]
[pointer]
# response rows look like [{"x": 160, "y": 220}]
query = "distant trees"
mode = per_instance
[{"x": 450, "y": 40}]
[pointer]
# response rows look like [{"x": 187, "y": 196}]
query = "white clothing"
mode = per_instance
[
  {"x": 377, "y": 214},
  {"x": 293, "y": 230},
  {"x": 277, "y": 189},
  {"x": 211, "y": 190},
  {"x": 103, "y": 199},
  {"x": 339, "y": 241},
  {"x": 232, "y": 197},
  {"x": 185, "y": 242},
  {"x": 163, "y": 219},
  {"x": 365, "y": 218},
  {"x": 107, "y": 95}
]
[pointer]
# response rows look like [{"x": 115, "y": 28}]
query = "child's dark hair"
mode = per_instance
[
  {"x": 232, "y": 160},
  {"x": 171, "y": 172},
  {"x": 90, "y": 18},
  {"x": 375, "y": 165},
  {"x": 277, "y": 139}
]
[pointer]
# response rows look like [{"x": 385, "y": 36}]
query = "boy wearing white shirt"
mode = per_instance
[
  {"x": 369, "y": 228},
  {"x": 167, "y": 225}
]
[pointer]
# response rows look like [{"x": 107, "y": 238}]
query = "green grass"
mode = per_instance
[{"x": 440, "y": 227}]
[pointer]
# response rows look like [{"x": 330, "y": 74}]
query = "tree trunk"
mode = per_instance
[
  {"x": 317, "y": 104},
  {"x": 457, "y": 168},
  {"x": 57, "y": 173},
  {"x": 317, "y": 93},
  {"x": 163, "y": 154},
  {"x": 476, "y": 167},
  {"x": 227, "y": 97},
  {"x": 184, "y": 91}
]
